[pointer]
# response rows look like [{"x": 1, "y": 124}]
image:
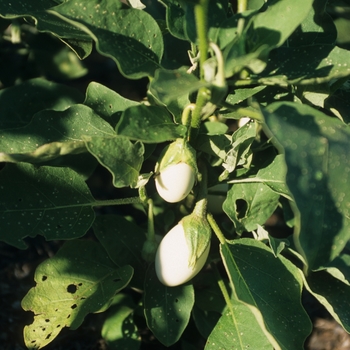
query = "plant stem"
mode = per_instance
[
  {"x": 242, "y": 6},
  {"x": 186, "y": 118},
  {"x": 150, "y": 231},
  {"x": 201, "y": 16},
  {"x": 215, "y": 227}
]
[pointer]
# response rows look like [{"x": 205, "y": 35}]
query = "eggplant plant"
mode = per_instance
[{"x": 250, "y": 97}]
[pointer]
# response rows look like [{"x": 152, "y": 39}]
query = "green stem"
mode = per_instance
[
  {"x": 201, "y": 16},
  {"x": 150, "y": 231},
  {"x": 108, "y": 202},
  {"x": 186, "y": 118},
  {"x": 242, "y": 5},
  {"x": 215, "y": 227}
]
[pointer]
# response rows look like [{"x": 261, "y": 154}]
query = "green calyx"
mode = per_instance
[
  {"x": 197, "y": 232},
  {"x": 179, "y": 151}
]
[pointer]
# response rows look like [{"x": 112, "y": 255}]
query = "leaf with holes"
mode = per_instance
[
  {"x": 167, "y": 309},
  {"x": 70, "y": 286},
  {"x": 249, "y": 205},
  {"x": 271, "y": 287},
  {"x": 33, "y": 96},
  {"x": 53, "y": 202},
  {"x": 316, "y": 153},
  {"x": 130, "y": 36},
  {"x": 52, "y": 134}
]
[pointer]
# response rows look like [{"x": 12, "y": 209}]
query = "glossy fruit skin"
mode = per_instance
[
  {"x": 172, "y": 258},
  {"x": 175, "y": 182}
]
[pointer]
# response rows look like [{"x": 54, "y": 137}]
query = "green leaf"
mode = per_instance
[
  {"x": 130, "y": 36},
  {"x": 340, "y": 268},
  {"x": 149, "y": 124},
  {"x": 52, "y": 134},
  {"x": 31, "y": 97},
  {"x": 119, "y": 329},
  {"x": 70, "y": 286},
  {"x": 316, "y": 153},
  {"x": 53, "y": 202},
  {"x": 123, "y": 241},
  {"x": 107, "y": 103},
  {"x": 320, "y": 64},
  {"x": 249, "y": 205},
  {"x": 168, "y": 85},
  {"x": 238, "y": 329},
  {"x": 120, "y": 156},
  {"x": 167, "y": 309},
  {"x": 266, "y": 30},
  {"x": 317, "y": 28},
  {"x": 45, "y": 21},
  {"x": 240, "y": 95},
  {"x": 271, "y": 287},
  {"x": 332, "y": 294}
]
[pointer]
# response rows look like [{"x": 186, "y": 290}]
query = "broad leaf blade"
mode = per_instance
[
  {"x": 130, "y": 36},
  {"x": 167, "y": 309},
  {"x": 120, "y": 156},
  {"x": 271, "y": 289},
  {"x": 316, "y": 153},
  {"x": 123, "y": 241},
  {"x": 52, "y": 134},
  {"x": 31, "y": 97},
  {"x": 53, "y": 202},
  {"x": 70, "y": 286},
  {"x": 107, "y": 103},
  {"x": 237, "y": 329},
  {"x": 149, "y": 124}
]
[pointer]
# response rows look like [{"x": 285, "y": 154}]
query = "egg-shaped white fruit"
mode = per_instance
[
  {"x": 243, "y": 121},
  {"x": 172, "y": 258},
  {"x": 175, "y": 182}
]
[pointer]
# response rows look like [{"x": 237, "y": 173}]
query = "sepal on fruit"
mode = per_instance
[{"x": 176, "y": 171}]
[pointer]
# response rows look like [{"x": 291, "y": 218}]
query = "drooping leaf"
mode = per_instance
[
  {"x": 271, "y": 290},
  {"x": 53, "y": 202},
  {"x": 149, "y": 124},
  {"x": 167, "y": 309},
  {"x": 33, "y": 96},
  {"x": 120, "y": 156},
  {"x": 332, "y": 294},
  {"x": 107, "y": 103},
  {"x": 52, "y": 134},
  {"x": 70, "y": 286},
  {"x": 123, "y": 241},
  {"x": 130, "y": 36},
  {"x": 316, "y": 153}
]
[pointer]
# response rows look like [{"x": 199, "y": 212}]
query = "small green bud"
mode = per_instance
[{"x": 176, "y": 171}]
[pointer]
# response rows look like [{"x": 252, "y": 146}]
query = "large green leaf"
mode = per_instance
[
  {"x": 306, "y": 65},
  {"x": 68, "y": 287},
  {"x": 123, "y": 241},
  {"x": 119, "y": 329},
  {"x": 120, "y": 156},
  {"x": 316, "y": 150},
  {"x": 130, "y": 36},
  {"x": 332, "y": 294},
  {"x": 237, "y": 329},
  {"x": 107, "y": 103},
  {"x": 52, "y": 134},
  {"x": 149, "y": 124},
  {"x": 31, "y": 97},
  {"x": 167, "y": 309},
  {"x": 271, "y": 287},
  {"x": 38, "y": 10},
  {"x": 53, "y": 202}
]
